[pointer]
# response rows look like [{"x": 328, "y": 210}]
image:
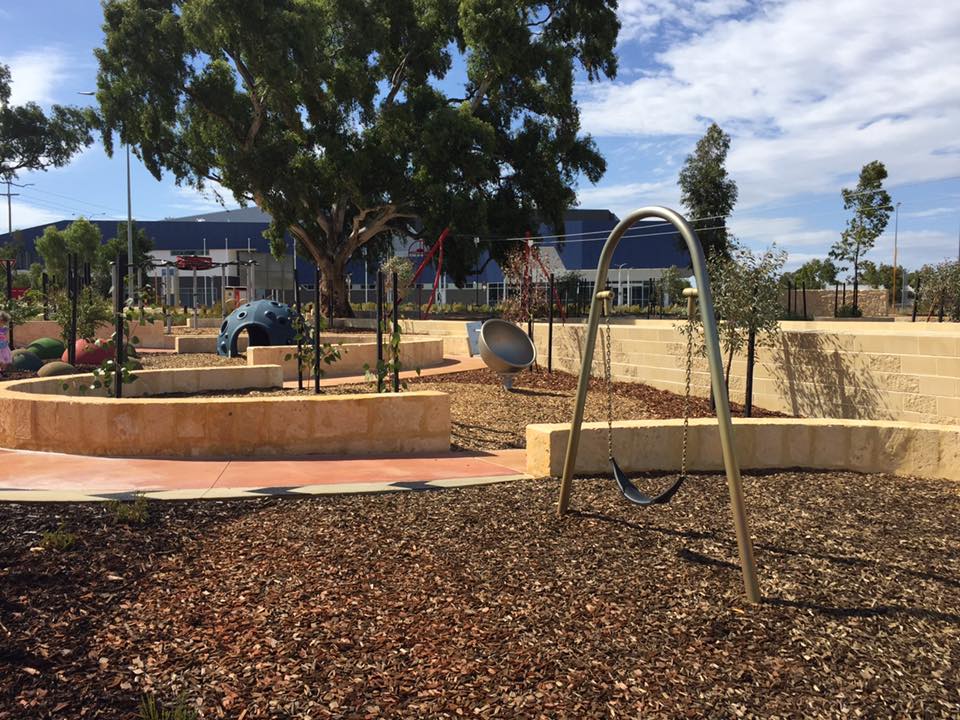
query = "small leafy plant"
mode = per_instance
[
  {"x": 59, "y": 539},
  {"x": 104, "y": 376},
  {"x": 385, "y": 368},
  {"x": 136, "y": 512},
  {"x": 181, "y": 710},
  {"x": 329, "y": 354}
]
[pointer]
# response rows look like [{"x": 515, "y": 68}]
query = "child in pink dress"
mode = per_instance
[{"x": 6, "y": 357}]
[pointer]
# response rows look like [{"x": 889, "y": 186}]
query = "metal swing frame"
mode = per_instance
[{"x": 734, "y": 483}]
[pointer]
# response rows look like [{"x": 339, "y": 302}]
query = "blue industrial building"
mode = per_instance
[{"x": 235, "y": 236}]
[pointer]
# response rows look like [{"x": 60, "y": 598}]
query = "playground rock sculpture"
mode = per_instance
[{"x": 266, "y": 322}]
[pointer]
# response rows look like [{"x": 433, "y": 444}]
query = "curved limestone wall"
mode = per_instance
[{"x": 39, "y": 415}]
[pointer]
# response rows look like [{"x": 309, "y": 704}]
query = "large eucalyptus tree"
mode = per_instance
[{"x": 349, "y": 120}]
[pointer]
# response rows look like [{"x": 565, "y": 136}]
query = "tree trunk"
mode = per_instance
[
  {"x": 333, "y": 282},
  {"x": 856, "y": 283},
  {"x": 726, "y": 374}
]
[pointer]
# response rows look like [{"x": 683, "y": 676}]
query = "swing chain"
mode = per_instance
[
  {"x": 608, "y": 380},
  {"x": 686, "y": 398}
]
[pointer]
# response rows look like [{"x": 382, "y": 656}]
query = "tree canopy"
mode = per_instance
[
  {"x": 33, "y": 140},
  {"x": 708, "y": 192},
  {"x": 350, "y": 120},
  {"x": 52, "y": 247},
  {"x": 871, "y": 208},
  {"x": 815, "y": 274}
]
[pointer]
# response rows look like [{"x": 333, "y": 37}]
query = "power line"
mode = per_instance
[{"x": 77, "y": 200}]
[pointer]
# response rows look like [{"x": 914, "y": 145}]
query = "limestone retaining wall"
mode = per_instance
[
  {"x": 37, "y": 415},
  {"x": 873, "y": 303},
  {"x": 414, "y": 353},
  {"x": 453, "y": 332},
  {"x": 921, "y": 450},
  {"x": 151, "y": 335},
  {"x": 878, "y": 371}
]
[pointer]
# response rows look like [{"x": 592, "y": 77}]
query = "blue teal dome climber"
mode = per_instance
[{"x": 266, "y": 322}]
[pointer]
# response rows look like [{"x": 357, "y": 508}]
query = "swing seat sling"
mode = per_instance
[{"x": 630, "y": 491}]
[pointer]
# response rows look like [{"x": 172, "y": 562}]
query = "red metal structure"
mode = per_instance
[
  {"x": 436, "y": 250},
  {"x": 531, "y": 258},
  {"x": 194, "y": 262}
]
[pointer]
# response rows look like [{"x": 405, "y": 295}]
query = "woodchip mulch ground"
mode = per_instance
[{"x": 482, "y": 603}]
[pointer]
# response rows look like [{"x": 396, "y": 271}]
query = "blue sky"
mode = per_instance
[{"x": 810, "y": 90}]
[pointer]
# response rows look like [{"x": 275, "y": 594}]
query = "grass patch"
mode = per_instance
[{"x": 149, "y": 710}]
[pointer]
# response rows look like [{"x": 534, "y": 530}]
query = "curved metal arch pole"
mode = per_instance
[{"x": 734, "y": 484}]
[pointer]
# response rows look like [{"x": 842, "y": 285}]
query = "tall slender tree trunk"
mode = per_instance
[{"x": 856, "y": 283}]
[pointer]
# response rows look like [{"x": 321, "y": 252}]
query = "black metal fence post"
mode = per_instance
[
  {"x": 72, "y": 294},
  {"x": 379, "y": 369},
  {"x": 751, "y": 355},
  {"x": 836, "y": 299},
  {"x": 804, "y": 300},
  {"x": 916, "y": 300},
  {"x": 316, "y": 331},
  {"x": 396, "y": 331},
  {"x": 301, "y": 327},
  {"x": 550, "y": 329},
  {"x": 45, "y": 285},
  {"x": 789, "y": 299},
  {"x": 9, "y": 264},
  {"x": 118, "y": 334}
]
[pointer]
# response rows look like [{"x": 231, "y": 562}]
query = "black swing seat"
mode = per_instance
[{"x": 636, "y": 497}]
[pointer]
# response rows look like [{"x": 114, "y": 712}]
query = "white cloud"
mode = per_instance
[
  {"x": 640, "y": 19},
  {"x": 35, "y": 74},
  {"x": 788, "y": 233},
  {"x": 931, "y": 212},
  {"x": 810, "y": 90},
  {"x": 622, "y": 199},
  {"x": 25, "y": 215},
  {"x": 192, "y": 201}
]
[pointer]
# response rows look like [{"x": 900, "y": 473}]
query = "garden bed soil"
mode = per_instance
[
  {"x": 157, "y": 361},
  {"x": 481, "y": 603}
]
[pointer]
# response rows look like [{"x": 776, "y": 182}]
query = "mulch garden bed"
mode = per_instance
[{"x": 482, "y": 603}]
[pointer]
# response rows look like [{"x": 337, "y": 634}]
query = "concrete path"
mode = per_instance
[{"x": 50, "y": 477}]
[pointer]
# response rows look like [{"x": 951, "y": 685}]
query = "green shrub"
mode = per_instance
[
  {"x": 58, "y": 539},
  {"x": 136, "y": 512},
  {"x": 849, "y": 311}
]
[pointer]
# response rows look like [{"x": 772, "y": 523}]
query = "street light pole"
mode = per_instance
[
  {"x": 9, "y": 195},
  {"x": 132, "y": 287},
  {"x": 620, "y": 283}
]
